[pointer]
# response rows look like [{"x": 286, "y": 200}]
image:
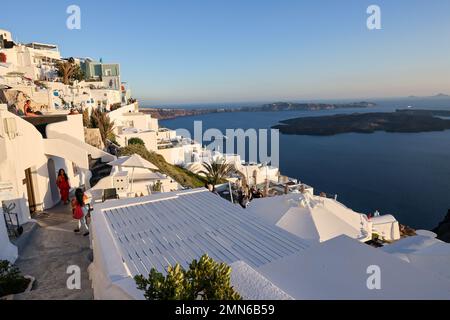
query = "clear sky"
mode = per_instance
[{"x": 188, "y": 51}]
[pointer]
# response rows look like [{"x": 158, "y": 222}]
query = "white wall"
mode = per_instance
[
  {"x": 166, "y": 134},
  {"x": 117, "y": 114},
  {"x": 29, "y": 150},
  {"x": 72, "y": 127},
  {"x": 22, "y": 152},
  {"x": 106, "y": 96},
  {"x": 27, "y": 60},
  {"x": 149, "y": 138},
  {"x": 8, "y": 251}
]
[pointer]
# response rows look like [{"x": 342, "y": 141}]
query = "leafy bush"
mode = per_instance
[
  {"x": 182, "y": 176},
  {"x": 11, "y": 280},
  {"x": 205, "y": 279},
  {"x": 136, "y": 141},
  {"x": 157, "y": 186}
]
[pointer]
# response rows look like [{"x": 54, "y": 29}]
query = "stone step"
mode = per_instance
[{"x": 22, "y": 241}]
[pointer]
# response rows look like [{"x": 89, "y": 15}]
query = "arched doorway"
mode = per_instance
[{"x": 52, "y": 179}]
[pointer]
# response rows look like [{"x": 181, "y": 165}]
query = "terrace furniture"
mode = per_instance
[
  {"x": 109, "y": 194},
  {"x": 14, "y": 229}
]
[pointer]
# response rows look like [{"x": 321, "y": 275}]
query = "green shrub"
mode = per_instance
[
  {"x": 205, "y": 279},
  {"x": 136, "y": 141},
  {"x": 11, "y": 280},
  {"x": 157, "y": 186}
]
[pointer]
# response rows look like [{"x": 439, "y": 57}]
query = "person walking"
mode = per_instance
[
  {"x": 80, "y": 211},
  {"x": 63, "y": 185}
]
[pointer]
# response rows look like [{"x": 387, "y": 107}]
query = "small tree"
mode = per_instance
[
  {"x": 135, "y": 140},
  {"x": 69, "y": 71},
  {"x": 217, "y": 171},
  {"x": 206, "y": 279},
  {"x": 11, "y": 280}
]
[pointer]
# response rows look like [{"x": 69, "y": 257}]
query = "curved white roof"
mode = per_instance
[
  {"x": 423, "y": 252},
  {"x": 337, "y": 269},
  {"x": 312, "y": 218}
]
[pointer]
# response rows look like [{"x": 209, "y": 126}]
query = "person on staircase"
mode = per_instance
[
  {"x": 80, "y": 211},
  {"x": 63, "y": 185}
]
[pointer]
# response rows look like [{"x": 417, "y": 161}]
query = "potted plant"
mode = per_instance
[
  {"x": 205, "y": 279},
  {"x": 12, "y": 281}
]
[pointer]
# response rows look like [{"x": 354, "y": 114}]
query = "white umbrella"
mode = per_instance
[{"x": 134, "y": 161}]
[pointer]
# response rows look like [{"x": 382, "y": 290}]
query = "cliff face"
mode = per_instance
[{"x": 443, "y": 230}]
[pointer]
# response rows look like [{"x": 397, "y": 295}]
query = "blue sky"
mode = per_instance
[{"x": 188, "y": 51}]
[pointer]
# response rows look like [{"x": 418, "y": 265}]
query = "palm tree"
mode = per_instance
[
  {"x": 101, "y": 121},
  {"x": 217, "y": 171}
]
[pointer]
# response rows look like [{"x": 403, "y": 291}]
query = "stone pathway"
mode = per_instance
[{"x": 49, "y": 251}]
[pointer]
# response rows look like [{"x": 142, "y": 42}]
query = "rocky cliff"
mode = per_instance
[{"x": 443, "y": 229}]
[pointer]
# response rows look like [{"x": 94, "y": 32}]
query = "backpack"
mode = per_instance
[{"x": 78, "y": 212}]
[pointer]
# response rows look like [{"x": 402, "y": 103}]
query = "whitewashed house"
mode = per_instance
[{"x": 32, "y": 150}]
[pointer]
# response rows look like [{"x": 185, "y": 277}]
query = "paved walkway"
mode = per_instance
[{"x": 52, "y": 247}]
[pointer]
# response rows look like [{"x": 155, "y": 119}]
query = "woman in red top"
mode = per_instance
[{"x": 63, "y": 184}]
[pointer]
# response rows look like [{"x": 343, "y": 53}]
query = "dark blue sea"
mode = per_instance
[{"x": 404, "y": 174}]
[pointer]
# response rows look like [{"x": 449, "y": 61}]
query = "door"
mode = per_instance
[
  {"x": 30, "y": 190},
  {"x": 52, "y": 180}
]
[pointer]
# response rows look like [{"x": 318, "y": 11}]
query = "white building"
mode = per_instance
[
  {"x": 130, "y": 123},
  {"x": 36, "y": 61},
  {"x": 318, "y": 219},
  {"x": 129, "y": 183},
  {"x": 32, "y": 153},
  {"x": 132, "y": 236}
]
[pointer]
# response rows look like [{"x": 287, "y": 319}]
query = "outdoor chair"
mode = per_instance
[{"x": 109, "y": 194}]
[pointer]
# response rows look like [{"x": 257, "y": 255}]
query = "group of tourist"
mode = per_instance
[
  {"x": 246, "y": 195},
  {"x": 80, "y": 207}
]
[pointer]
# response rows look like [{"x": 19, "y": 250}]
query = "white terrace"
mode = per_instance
[
  {"x": 178, "y": 227},
  {"x": 131, "y": 236}
]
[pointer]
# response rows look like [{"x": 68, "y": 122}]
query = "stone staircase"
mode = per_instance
[
  {"x": 99, "y": 170},
  {"x": 53, "y": 247}
]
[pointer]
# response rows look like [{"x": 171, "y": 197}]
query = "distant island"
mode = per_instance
[
  {"x": 439, "y": 96},
  {"x": 170, "y": 113},
  {"x": 398, "y": 121}
]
